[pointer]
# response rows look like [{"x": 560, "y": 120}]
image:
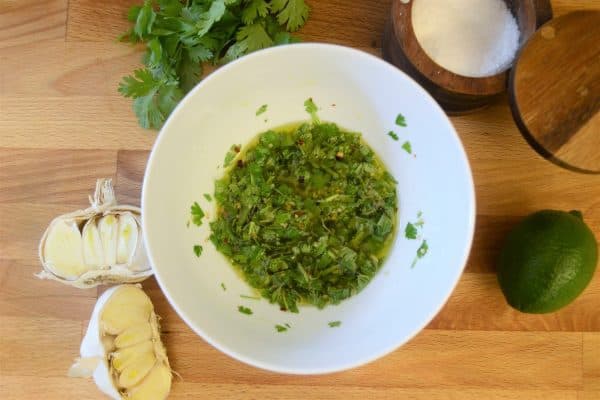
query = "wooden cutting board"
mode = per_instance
[{"x": 63, "y": 124}]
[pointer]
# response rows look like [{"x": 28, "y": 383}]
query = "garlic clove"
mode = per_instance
[
  {"x": 108, "y": 228},
  {"x": 93, "y": 254},
  {"x": 133, "y": 335},
  {"x": 116, "y": 319},
  {"x": 122, "y": 358},
  {"x": 128, "y": 296},
  {"x": 127, "y": 238},
  {"x": 136, "y": 371},
  {"x": 155, "y": 386},
  {"x": 62, "y": 250}
]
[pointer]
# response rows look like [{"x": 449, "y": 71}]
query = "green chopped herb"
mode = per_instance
[
  {"x": 187, "y": 224},
  {"x": 407, "y": 147},
  {"x": 288, "y": 325},
  {"x": 207, "y": 196},
  {"x": 423, "y": 249},
  {"x": 245, "y": 310},
  {"x": 197, "y": 214},
  {"x": 243, "y": 296},
  {"x": 308, "y": 217},
  {"x": 198, "y": 250},
  {"x": 334, "y": 324},
  {"x": 410, "y": 232},
  {"x": 281, "y": 328},
  {"x": 223, "y": 286},
  {"x": 393, "y": 135},
  {"x": 311, "y": 108},
  {"x": 262, "y": 109},
  {"x": 400, "y": 121},
  {"x": 231, "y": 154}
]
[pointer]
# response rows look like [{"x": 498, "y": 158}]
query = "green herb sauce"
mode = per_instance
[{"x": 307, "y": 213}]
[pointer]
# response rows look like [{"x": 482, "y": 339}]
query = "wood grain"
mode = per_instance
[{"x": 62, "y": 125}]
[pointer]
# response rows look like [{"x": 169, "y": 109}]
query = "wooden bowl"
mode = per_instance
[{"x": 456, "y": 93}]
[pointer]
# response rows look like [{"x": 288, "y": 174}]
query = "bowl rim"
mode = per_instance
[{"x": 318, "y": 370}]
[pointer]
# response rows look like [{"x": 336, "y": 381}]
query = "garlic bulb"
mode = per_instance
[
  {"x": 122, "y": 349},
  {"x": 102, "y": 244}
]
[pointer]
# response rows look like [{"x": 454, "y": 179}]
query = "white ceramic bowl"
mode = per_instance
[{"x": 361, "y": 93}]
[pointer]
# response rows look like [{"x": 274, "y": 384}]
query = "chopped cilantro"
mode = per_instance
[
  {"x": 308, "y": 216},
  {"x": 288, "y": 325},
  {"x": 243, "y": 296},
  {"x": 410, "y": 232},
  {"x": 423, "y": 249},
  {"x": 197, "y": 214},
  {"x": 262, "y": 109},
  {"x": 334, "y": 324},
  {"x": 245, "y": 310},
  {"x": 231, "y": 155},
  {"x": 281, "y": 328},
  {"x": 400, "y": 121},
  {"x": 393, "y": 135},
  {"x": 311, "y": 108},
  {"x": 407, "y": 147},
  {"x": 207, "y": 196},
  {"x": 223, "y": 286},
  {"x": 197, "y": 250}
]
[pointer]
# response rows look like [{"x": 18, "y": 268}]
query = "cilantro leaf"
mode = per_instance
[
  {"x": 393, "y": 135},
  {"x": 311, "y": 108},
  {"x": 292, "y": 13},
  {"x": 262, "y": 109},
  {"x": 253, "y": 37},
  {"x": 410, "y": 232},
  {"x": 334, "y": 324},
  {"x": 423, "y": 249},
  {"x": 223, "y": 286},
  {"x": 400, "y": 120},
  {"x": 181, "y": 36},
  {"x": 207, "y": 196},
  {"x": 407, "y": 147},
  {"x": 245, "y": 310},
  {"x": 280, "y": 328},
  {"x": 198, "y": 250},
  {"x": 253, "y": 10},
  {"x": 243, "y": 296},
  {"x": 197, "y": 214}
]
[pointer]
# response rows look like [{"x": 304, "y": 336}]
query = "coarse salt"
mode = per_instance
[{"x": 473, "y": 38}]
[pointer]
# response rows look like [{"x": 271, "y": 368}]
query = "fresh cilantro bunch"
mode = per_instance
[{"x": 180, "y": 36}]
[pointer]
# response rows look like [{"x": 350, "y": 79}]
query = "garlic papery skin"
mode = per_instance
[
  {"x": 133, "y": 363},
  {"x": 110, "y": 241}
]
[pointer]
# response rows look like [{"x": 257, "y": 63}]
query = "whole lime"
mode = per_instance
[{"x": 547, "y": 261}]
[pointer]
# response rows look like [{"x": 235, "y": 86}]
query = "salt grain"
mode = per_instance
[{"x": 468, "y": 37}]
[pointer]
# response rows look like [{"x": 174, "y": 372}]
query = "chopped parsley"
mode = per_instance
[
  {"x": 245, "y": 310},
  {"x": 307, "y": 215},
  {"x": 281, "y": 328},
  {"x": 393, "y": 135},
  {"x": 207, "y": 196},
  {"x": 400, "y": 120},
  {"x": 311, "y": 108},
  {"x": 198, "y": 250},
  {"x": 334, "y": 324},
  {"x": 223, "y": 286},
  {"x": 407, "y": 147},
  {"x": 197, "y": 214},
  {"x": 261, "y": 110},
  {"x": 410, "y": 232}
]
